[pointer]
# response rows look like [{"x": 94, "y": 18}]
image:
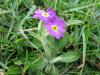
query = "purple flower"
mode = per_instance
[
  {"x": 54, "y": 24},
  {"x": 56, "y": 28},
  {"x": 45, "y": 15}
]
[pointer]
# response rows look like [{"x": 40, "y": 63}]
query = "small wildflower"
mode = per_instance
[
  {"x": 56, "y": 28},
  {"x": 54, "y": 24},
  {"x": 45, "y": 15}
]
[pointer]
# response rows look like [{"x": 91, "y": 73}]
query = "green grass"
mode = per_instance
[{"x": 25, "y": 48}]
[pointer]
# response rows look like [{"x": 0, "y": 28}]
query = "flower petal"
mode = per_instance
[{"x": 39, "y": 11}]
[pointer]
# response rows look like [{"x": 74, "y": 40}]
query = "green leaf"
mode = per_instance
[
  {"x": 18, "y": 62},
  {"x": 75, "y": 22},
  {"x": 3, "y": 65},
  {"x": 39, "y": 63},
  {"x": 48, "y": 68},
  {"x": 67, "y": 57},
  {"x": 14, "y": 70},
  {"x": 40, "y": 27},
  {"x": 52, "y": 47},
  {"x": 54, "y": 71},
  {"x": 61, "y": 43}
]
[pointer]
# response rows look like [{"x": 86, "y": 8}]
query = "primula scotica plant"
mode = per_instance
[
  {"x": 56, "y": 27},
  {"x": 49, "y": 37}
]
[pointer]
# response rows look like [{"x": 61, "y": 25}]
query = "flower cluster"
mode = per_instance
[{"x": 54, "y": 24}]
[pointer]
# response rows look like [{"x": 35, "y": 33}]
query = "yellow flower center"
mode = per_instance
[
  {"x": 45, "y": 14},
  {"x": 54, "y": 28}
]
